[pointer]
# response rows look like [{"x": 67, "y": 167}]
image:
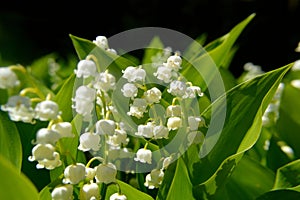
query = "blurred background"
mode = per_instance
[{"x": 29, "y": 30}]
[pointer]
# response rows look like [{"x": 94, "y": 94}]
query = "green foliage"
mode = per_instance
[{"x": 240, "y": 157}]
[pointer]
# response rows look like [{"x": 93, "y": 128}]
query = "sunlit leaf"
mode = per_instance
[
  {"x": 10, "y": 143},
  {"x": 14, "y": 184}
]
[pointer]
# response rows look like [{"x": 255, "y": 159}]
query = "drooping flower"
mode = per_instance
[
  {"x": 174, "y": 123},
  {"x": 152, "y": 95},
  {"x": 8, "y": 78},
  {"x": 165, "y": 74},
  {"x": 105, "y": 81},
  {"x": 63, "y": 192},
  {"x": 174, "y": 62},
  {"x": 90, "y": 191},
  {"x": 154, "y": 178},
  {"x": 177, "y": 88},
  {"x": 145, "y": 130},
  {"x": 160, "y": 132},
  {"x": 19, "y": 109},
  {"x": 47, "y": 110},
  {"x": 117, "y": 196},
  {"x": 194, "y": 122},
  {"x": 47, "y": 136},
  {"x": 74, "y": 173},
  {"x": 129, "y": 90},
  {"x": 144, "y": 156},
  {"x": 89, "y": 141},
  {"x": 106, "y": 173},
  {"x": 118, "y": 138},
  {"x": 85, "y": 69},
  {"x": 63, "y": 128},
  {"x": 173, "y": 111},
  {"x": 134, "y": 74},
  {"x": 101, "y": 41},
  {"x": 193, "y": 92},
  {"x": 105, "y": 127},
  {"x": 138, "y": 108}
]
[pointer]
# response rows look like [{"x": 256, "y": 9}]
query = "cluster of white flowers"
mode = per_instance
[
  {"x": 102, "y": 42},
  {"x": 8, "y": 78}
]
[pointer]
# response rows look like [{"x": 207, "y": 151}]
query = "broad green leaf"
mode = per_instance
[
  {"x": 178, "y": 185},
  {"x": 288, "y": 176},
  {"x": 245, "y": 105},
  {"x": 288, "y": 124},
  {"x": 14, "y": 184},
  {"x": 3, "y": 96},
  {"x": 64, "y": 98},
  {"x": 279, "y": 195},
  {"x": 156, "y": 46},
  {"x": 249, "y": 180},
  {"x": 195, "y": 48},
  {"x": 205, "y": 64},
  {"x": 104, "y": 60},
  {"x": 45, "y": 194},
  {"x": 130, "y": 192},
  {"x": 10, "y": 142}
]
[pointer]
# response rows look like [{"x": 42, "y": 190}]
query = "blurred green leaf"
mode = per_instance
[
  {"x": 178, "y": 185},
  {"x": 15, "y": 185},
  {"x": 216, "y": 52},
  {"x": 279, "y": 195},
  {"x": 288, "y": 176},
  {"x": 245, "y": 105},
  {"x": 156, "y": 46},
  {"x": 130, "y": 192},
  {"x": 249, "y": 180},
  {"x": 10, "y": 142}
]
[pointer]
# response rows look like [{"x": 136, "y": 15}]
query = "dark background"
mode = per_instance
[{"x": 29, "y": 30}]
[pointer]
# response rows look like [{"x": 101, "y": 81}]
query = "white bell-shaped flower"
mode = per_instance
[
  {"x": 173, "y": 111},
  {"x": 105, "y": 127},
  {"x": 138, "y": 108},
  {"x": 296, "y": 83},
  {"x": 129, "y": 90},
  {"x": 134, "y": 74},
  {"x": 85, "y": 93},
  {"x": 296, "y": 66},
  {"x": 165, "y": 74},
  {"x": 119, "y": 138},
  {"x": 177, "y": 88},
  {"x": 74, "y": 173},
  {"x": 63, "y": 128},
  {"x": 8, "y": 78},
  {"x": 144, "y": 156},
  {"x": 47, "y": 110},
  {"x": 193, "y": 92},
  {"x": 174, "y": 123},
  {"x": 19, "y": 109},
  {"x": 117, "y": 196},
  {"x": 154, "y": 178},
  {"x": 90, "y": 173},
  {"x": 106, "y": 173},
  {"x": 160, "y": 132},
  {"x": 50, "y": 164},
  {"x": 145, "y": 130},
  {"x": 64, "y": 192},
  {"x": 174, "y": 62},
  {"x": 166, "y": 162},
  {"x": 47, "y": 136},
  {"x": 101, "y": 41},
  {"x": 85, "y": 69},
  {"x": 194, "y": 122},
  {"x": 152, "y": 96},
  {"x": 89, "y": 141},
  {"x": 105, "y": 81},
  {"x": 90, "y": 191}
]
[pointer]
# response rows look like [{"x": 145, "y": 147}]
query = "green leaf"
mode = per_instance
[
  {"x": 195, "y": 48},
  {"x": 177, "y": 185},
  {"x": 104, "y": 60},
  {"x": 259, "y": 180},
  {"x": 63, "y": 98},
  {"x": 288, "y": 176},
  {"x": 10, "y": 142},
  {"x": 130, "y": 192},
  {"x": 155, "y": 46},
  {"x": 15, "y": 185},
  {"x": 202, "y": 70},
  {"x": 245, "y": 105},
  {"x": 279, "y": 195}
]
